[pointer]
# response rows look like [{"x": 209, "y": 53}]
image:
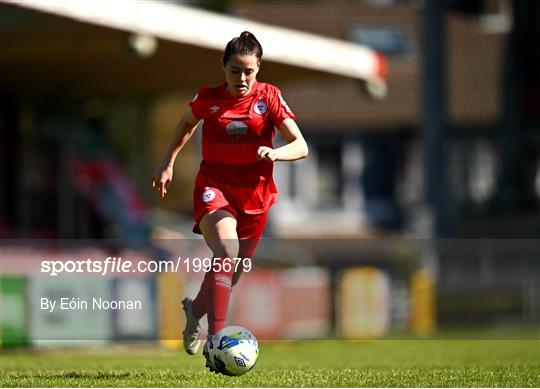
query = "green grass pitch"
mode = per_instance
[{"x": 330, "y": 363}]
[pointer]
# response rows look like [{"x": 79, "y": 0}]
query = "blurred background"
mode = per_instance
[{"x": 416, "y": 212}]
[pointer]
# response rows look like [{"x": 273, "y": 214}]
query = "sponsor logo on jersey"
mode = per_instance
[
  {"x": 284, "y": 103},
  {"x": 208, "y": 195},
  {"x": 236, "y": 127},
  {"x": 260, "y": 107},
  {"x": 214, "y": 109}
]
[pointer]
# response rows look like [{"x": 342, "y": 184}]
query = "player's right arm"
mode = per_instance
[{"x": 163, "y": 175}]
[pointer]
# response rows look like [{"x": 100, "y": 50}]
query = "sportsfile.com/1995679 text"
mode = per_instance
[{"x": 111, "y": 265}]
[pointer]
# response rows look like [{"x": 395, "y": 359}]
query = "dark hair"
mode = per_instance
[{"x": 245, "y": 44}]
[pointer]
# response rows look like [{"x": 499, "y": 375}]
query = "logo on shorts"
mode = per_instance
[
  {"x": 208, "y": 195},
  {"x": 260, "y": 107}
]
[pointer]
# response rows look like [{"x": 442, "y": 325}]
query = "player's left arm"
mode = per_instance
[{"x": 296, "y": 147}]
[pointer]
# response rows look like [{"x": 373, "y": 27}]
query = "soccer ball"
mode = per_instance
[{"x": 234, "y": 350}]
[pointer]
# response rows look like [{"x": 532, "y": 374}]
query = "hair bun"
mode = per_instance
[{"x": 244, "y": 44}]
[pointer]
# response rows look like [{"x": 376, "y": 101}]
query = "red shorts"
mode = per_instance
[{"x": 207, "y": 197}]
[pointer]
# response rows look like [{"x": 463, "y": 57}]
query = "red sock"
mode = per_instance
[
  {"x": 200, "y": 304},
  {"x": 218, "y": 295}
]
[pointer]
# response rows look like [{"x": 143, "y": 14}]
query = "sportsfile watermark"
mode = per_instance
[
  {"x": 294, "y": 288},
  {"x": 117, "y": 265}
]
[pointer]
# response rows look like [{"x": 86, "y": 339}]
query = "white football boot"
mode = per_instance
[{"x": 193, "y": 328}]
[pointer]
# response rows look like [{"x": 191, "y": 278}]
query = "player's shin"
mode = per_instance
[
  {"x": 200, "y": 303},
  {"x": 219, "y": 294}
]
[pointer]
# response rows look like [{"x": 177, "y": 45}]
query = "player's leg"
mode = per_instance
[
  {"x": 250, "y": 229},
  {"x": 209, "y": 203},
  {"x": 219, "y": 231}
]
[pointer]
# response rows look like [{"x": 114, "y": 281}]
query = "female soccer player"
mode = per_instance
[{"x": 234, "y": 187}]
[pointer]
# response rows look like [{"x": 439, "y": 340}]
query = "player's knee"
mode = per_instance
[{"x": 226, "y": 249}]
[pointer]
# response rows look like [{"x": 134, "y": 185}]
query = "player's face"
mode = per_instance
[{"x": 241, "y": 73}]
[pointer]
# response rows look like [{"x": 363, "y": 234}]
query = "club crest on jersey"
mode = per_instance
[
  {"x": 236, "y": 127},
  {"x": 284, "y": 103},
  {"x": 214, "y": 109},
  {"x": 208, "y": 195},
  {"x": 260, "y": 107}
]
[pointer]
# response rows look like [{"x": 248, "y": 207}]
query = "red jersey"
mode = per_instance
[{"x": 234, "y": 128}]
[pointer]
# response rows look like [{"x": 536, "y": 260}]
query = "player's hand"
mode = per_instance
[
  {"x": 162, "y": 178},
  {"x": 267, "y": 154}
]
